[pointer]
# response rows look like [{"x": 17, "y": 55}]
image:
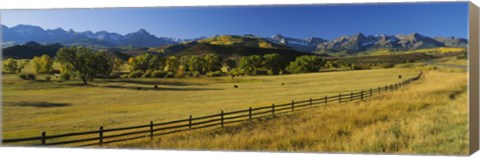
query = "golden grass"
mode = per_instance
[
  {"x": 117, "y": 103},
  {"x": 439, "y": 50},
  {"x": 427, "y": 117}
]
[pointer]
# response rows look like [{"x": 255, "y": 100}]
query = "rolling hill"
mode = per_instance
[
  {"x": 30, "y": 50},
  {"x": 230, "y": 47}
]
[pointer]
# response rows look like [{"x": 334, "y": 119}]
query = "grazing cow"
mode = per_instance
[
  {"x": 283, "y": 83},
  {"x": 156, "y": 86},
  {"x": 139, "y": 88},
  {"x": 235, "y": 86},
  {"x": 399, "y": 76}
]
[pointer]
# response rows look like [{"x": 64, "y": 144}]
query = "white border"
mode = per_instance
[{"x": 78, "y": 152}]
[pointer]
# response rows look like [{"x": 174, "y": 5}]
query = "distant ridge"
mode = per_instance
[{"x": 22, "y": 34}]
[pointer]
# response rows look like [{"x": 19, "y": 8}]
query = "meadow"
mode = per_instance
[
  {"x": 61, "y": 107},
  {"x": 427, "y": 117}
]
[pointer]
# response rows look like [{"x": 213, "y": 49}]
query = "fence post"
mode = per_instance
[
  {"x": 370, "y": 93},
  {"x": 385, "y": 88},
  {"x": 396, "y": 86},
  {"x": 391, "y": 87},
  {"x": 326, "y": 100},
  {"x": 221, "y": 114},
  {"x": 340, "y": 98},
  {"x": 190, "y": 122},
  {"x": 250, "y": 113},
  {"x": 379, "y": 90},
  {"x": 351, "y": 96},
  {"x": 310, "y": 102},
  {"x": 151, "y": 129},
  {"x": 100, "y": 133},
  {"x": 293, "y": 106},
  {"x": 273, "y": 110},
  {"x": 361, "y": 95},
  {"x": 44, "y": 134}
]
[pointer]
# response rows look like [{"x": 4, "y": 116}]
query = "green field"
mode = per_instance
[{"x": 32, "y": 107}]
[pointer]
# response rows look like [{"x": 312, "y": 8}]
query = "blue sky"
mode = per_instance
[{"x": 325, "y": 21}]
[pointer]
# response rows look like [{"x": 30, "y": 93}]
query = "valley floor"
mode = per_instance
[
  {"x": 426, "y": 117},
  {"x": 32, "y": 107}
]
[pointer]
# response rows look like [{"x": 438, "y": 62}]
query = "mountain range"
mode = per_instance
[
  {"x": 360, "y": 42},
  {"x": 22, "y": 34}
]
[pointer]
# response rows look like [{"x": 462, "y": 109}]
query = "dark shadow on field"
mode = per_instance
[
  {"x": 42, "y": 104},
  {"x": 159, "y": 88},
  {"x": 153, "y": 82}
]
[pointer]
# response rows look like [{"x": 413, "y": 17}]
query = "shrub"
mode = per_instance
[
  {"x": 361, "y": 66},
  {"x": 28, "y": 76},
  {"x": 262, "y": 72},
  {"x": 169, "y": 75},
  {"x": 270, "y": 72},
  {"x": 48, "y": 78},
  {"x": 136, "y": 74},
  {"x": 215, "y": 74},
  {"x": 147, "y": 74},
  {"x": 158, "y": 74},
  {"x": 387, "y": 65},
  {"x": 65, "y": 76},
  {"x": 180, "y": 74},
  {"x": 195, "y": 74}
]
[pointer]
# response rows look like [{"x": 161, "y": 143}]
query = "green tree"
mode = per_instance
[
  {"x": 81, "y": 59},
  {"x": 171, "y": 64},
  {"x": 304, "y": 64},
  {"x": 118, "y": 65},
  {"x": 213, "y": 62},
  {"x": 145, "y": 62},
  {"x": 184, "y": 62},
  {"x": 231, "y": 64},
  {"x": 43, "y": 64},
  {"x": 104, "y": 63},
  {"x": 155, "y": 62},
  {"x": 197, "y": 64},
  {"x": 67, "y": 72},
  {"x": 250, "y": 64},
  {"x": 273, "y": 62},
  {"x": 10, "y": 65}
]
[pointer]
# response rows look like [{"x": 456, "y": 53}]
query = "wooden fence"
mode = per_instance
[{"x": 111, "y": 135}]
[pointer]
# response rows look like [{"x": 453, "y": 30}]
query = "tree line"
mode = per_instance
[{"x": 87, "y": 64}]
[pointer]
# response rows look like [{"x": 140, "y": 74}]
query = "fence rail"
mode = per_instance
[{"x": 111, "y": 135}]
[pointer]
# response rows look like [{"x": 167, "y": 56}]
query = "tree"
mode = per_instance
[
  {"x": 155, "y": 62},
  {"x": 171, "y": 64},
  {"x": 81, "y": 59},
  {"x": 22, "y": 65},
  {"x": 184, "y": 61},
  {"x": 197, "y": 64},
  {"x": 304, "y": 64},
  {"x": 67, "y": 72},
  {"x": 273, "y": 62},
  {"x": 212, "y": 62},
  {"x": 330, "y": 64},
  {"x": 43, "y": 64},
  {"x": 231, "y": 64},
  {"x": 250, "y": 64},
  {"x": 10, "y": 65},
  {"x": 140, "y": 62},
  {"x": 104, "y": 63},
  {"x": 118, "y": 65}
]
